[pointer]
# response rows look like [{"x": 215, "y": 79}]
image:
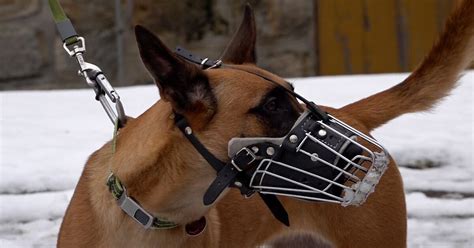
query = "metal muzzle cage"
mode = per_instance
[{"x": 320, "y": 161}]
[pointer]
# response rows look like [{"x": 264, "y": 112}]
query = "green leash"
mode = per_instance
[
  {"x": 57, "y": 11},
  {"x": 114, "y": 137},
  {"x": 70, "y": 37},
  {"x": 63, "y": 24}
]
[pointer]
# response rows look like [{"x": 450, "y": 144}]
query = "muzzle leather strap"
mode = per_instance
[
  {"x": 204, "y": 62},
  {"x": 184, "y": 126},
  {"x": 228, "y": 173}
]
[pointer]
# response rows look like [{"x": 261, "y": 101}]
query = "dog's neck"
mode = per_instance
[{"x": 150, "y": 162}]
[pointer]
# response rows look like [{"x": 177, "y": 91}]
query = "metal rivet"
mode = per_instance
[
  {"x": 293, "y": 138},
  {"x": 188, "y": 130},
  {"x": 322, "y": 133},
  {"x": 254, "y": 149},
  {"x": 238, "y": 184},
  {"x": 270, "y": 151},
  {"x": 314, "y": 157}
]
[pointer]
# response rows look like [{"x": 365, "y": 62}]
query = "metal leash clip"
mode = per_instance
[
  {"x": 96, "y": 79},
  {"x": 75, "y": 46}
]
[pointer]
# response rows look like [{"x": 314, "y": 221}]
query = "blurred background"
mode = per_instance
[{"x": 295, "y": 38}]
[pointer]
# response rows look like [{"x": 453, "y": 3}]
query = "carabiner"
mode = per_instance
[{"x": 96, "y": 79}]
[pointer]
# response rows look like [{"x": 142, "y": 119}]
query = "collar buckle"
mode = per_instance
[{"x": 134, "y": 210}]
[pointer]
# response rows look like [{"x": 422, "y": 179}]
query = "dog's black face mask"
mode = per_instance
[
  {"x": 319, "y": 159},
  {"x": 277, "y": 111}
]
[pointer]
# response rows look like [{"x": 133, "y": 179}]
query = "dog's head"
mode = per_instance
[
  {"x": 219, "y": 104},
  {"x": 227, "y": 97}
]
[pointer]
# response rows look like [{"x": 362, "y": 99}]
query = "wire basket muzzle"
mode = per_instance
[{"x": 326, "y": 162}]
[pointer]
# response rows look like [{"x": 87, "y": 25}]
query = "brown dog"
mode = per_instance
[{"x": 168, "y": 177}]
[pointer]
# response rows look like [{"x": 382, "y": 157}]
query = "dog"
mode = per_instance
[{"x": 168, "y": 177}]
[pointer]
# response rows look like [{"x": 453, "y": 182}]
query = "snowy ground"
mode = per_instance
[{"x": 46, "y": 137}]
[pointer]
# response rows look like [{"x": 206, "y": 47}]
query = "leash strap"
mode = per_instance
[{"x": 63, "y": 24}]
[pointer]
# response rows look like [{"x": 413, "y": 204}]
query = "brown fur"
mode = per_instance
[{"x": 164, "y": 172}]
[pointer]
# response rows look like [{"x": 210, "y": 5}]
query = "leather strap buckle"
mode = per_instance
[{"x": 243, "y": 159}]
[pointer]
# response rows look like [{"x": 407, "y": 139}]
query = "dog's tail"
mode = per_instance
[{"x": 434, "y": 78}]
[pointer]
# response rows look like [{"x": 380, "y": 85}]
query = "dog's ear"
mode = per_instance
[
  {"x": 181, "y": 83},
  {"x": 241, "y": 48}
]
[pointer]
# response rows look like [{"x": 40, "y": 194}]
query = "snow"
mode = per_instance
[
  {"x": 421, "y": 206},
  {"x": 18, "y": 207},
  {"x": 46, "y": 137}
]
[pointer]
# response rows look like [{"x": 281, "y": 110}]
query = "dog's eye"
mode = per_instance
[
  {"x": 271, "y": 105},
  {"x": 276, "y": 111}
]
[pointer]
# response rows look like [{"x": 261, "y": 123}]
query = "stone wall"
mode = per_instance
[{"x": 32, "y": 56}]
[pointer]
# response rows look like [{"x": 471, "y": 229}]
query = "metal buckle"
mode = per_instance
[
  {"x": 248, "y": 152},
  {"x": 218, "y": 63},
  {"x": 203, "y": 63},
  {"x": 76, "y": 48},
  {"x": 134, "y": 210}
]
